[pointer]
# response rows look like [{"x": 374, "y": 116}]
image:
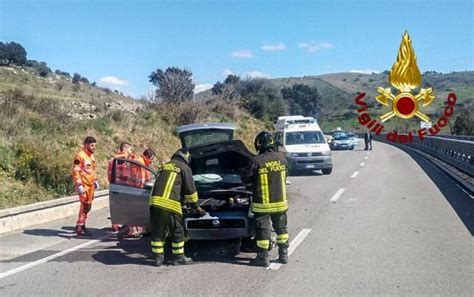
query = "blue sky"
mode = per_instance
[{"x": 119, "y": 43}]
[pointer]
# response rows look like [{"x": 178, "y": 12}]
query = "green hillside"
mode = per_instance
[{"x": 44, "y": 121}]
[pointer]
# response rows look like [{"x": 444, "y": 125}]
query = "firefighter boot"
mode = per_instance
[
  {"x": 181, "y": 260},
  {"x": 159, "y": 258},
  {"x": 283, "y": 254},
  {"x": 261, "y": 259}
]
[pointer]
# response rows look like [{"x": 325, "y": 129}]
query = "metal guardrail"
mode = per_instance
[{"x": 456, "y": 152}]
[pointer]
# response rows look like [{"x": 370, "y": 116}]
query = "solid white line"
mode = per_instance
[
  {"x": 366, "y": 158},
  {"x": 362, "y": 164},
  {"x": 337, "y": 195},
  {"x": 355, "y": 174},
  {"x": 293, "y": 245},
  {"x": 57, "y": 255}
]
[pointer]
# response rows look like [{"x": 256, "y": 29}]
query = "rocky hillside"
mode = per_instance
[{"x": 44, "y": 120}]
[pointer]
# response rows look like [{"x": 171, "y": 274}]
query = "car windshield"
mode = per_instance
[
  {"x": 304, "y": 137},
  {"x": 340, "y": 136},
  {"x": 350, "y": 134},
  {"x": 195, "y": 138}
]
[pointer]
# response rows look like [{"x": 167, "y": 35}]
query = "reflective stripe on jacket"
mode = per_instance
[
  {"x": 174, "y": 185},
  {"x": 268, "y": 176}
]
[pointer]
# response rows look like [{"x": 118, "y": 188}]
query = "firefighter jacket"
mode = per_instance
[
  {"x": 174, "y": 186},
  {"x": 84, "y": 169},
  {"x": 267, "y": 174}
]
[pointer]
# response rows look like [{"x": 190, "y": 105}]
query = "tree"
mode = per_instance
[
  {"x": 41, "y": 67},
  {"x": 76, "y": 78},
  {"x": 464, "y": 123},
  {"x": 174, "y": 85},
  {"x": 263, "y": 99},
  {"x": 229, "y": 89},
  {"x": 12, "y": 52},
  {"x": 84, "y": 80},
  {"x": 302, "y": 99}
]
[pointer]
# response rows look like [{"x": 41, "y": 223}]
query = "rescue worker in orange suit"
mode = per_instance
[
  {"x": 85, "y": 182},
  {"x": 122, "y": 171},
  {"x": 267, "y": 175},
  {"x": 140, "y": 176},
  {"x": 174, "y": 186}
]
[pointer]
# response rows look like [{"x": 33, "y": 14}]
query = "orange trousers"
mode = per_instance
[{"x": 86, "y": 204}]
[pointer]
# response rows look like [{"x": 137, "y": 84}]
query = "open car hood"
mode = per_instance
[{"x": 226, "y": 157}]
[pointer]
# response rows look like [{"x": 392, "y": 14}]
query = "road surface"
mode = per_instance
[{"x": 384, "y": 222}]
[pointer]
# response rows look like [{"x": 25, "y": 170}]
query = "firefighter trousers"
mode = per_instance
[
  {"x": 164, "y": 222},
  {"x": 263, "y": 229}
]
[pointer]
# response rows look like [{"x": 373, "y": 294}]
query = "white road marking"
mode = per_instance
[
  {"x": 362, "y": 164},
  {"x": 366, "y": 158},
  {"x": 368, "y": 153},
  {"x": 293, "y": 245},
  {"x": 355, "y": 174},
  {"x": 57, "y": 255},
  {"x": 337, "y": 195}
]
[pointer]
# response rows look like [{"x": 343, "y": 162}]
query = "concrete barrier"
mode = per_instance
[{"x": 21, "y": 217}]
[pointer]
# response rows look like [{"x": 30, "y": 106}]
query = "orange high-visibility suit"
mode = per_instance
[
  {"x": 141, "y": 175},
  {"x": 84, "y": 174}
]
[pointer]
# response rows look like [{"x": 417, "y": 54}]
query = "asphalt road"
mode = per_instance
[{"x": 398, "y": 226}]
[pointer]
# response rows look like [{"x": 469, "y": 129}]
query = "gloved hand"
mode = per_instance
[
  {"x": 80, "y": 190},
  {"x": 96, "y": 185},
  {"x": 200, "y": 211}
]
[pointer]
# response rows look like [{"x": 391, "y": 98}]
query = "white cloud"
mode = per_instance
[
  {"x": 273, "y": 47},
  {"x": 256, "y": 74},
  {"x": 366, "y": 71},
  {"x": 202, "y": 87},
  {"x": 313, "y": 46},
  {"x": 243, "y": 54},
  {"x": 227, "y": 72},
  {"x": 112, "y": 81}
]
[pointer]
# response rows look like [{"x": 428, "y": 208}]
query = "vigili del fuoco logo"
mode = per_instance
[{"x": 405, "y": 103}]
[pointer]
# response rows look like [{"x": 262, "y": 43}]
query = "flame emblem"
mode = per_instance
[{"x": 406, "y": 77}]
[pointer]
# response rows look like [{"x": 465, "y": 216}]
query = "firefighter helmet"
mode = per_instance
[
  {"x": 264, "y": 142},
  {"x": 182, "y": 154}
]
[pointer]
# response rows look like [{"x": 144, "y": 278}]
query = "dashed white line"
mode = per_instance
[
  {"x": 355, "y": 174},
  {"x": 366, "y": 158},
  {"x": 337, "y": 195},
  {"x": 293, "y": 245},
  {"x": 362, "y": 164},
  {"x": 54, "y": 256}
]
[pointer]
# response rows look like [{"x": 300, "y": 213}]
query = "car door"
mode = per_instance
[{"x": 129, "y": 192}]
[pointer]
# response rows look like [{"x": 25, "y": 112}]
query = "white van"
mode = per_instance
[{"x": 303, "y": 143}]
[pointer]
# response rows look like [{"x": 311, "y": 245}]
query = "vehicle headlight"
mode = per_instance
[
  {"x": 326, "y": 153},
  {"x": 291, "y": 155},
  {"x": 336, "y": 143}
]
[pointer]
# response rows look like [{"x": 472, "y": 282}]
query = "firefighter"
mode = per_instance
[
  {"x": 267, "y": 175},
  {"x": 174, "y": 186},
  {"x": 85, "y": 182}
]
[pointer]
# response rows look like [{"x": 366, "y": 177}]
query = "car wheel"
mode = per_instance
[{"x": 327, "y": 171}]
